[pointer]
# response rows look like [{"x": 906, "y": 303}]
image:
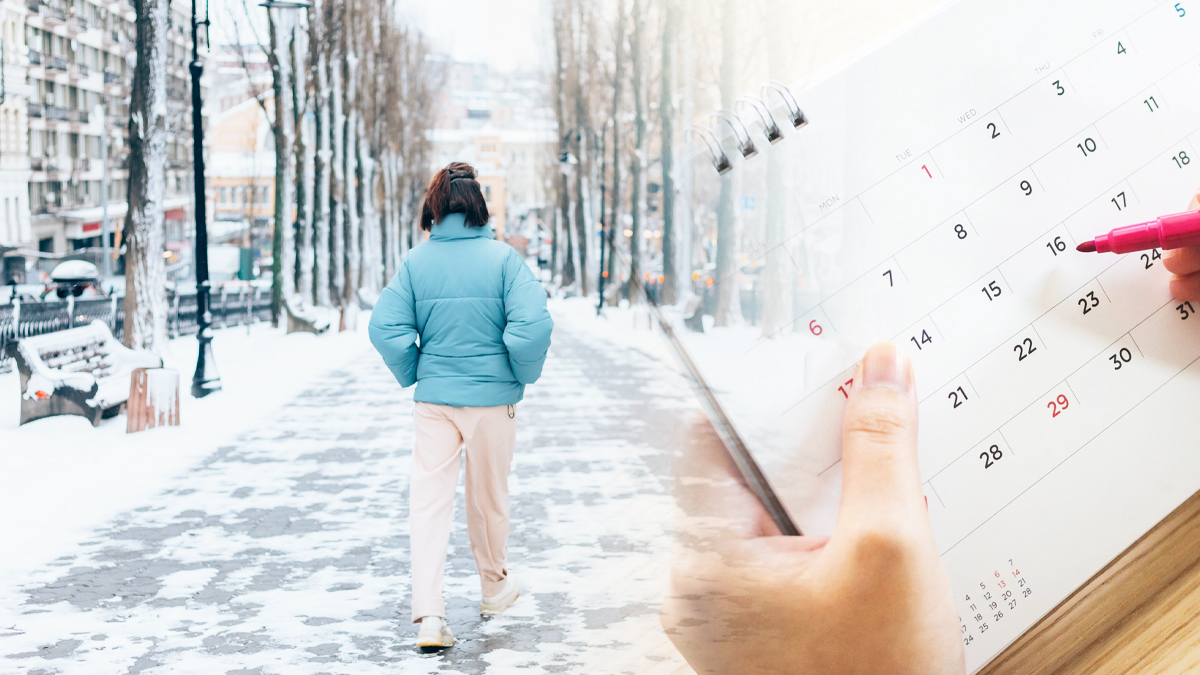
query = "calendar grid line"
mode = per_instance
[
  {"x": 1002, "y": 437},
  {"x": 1064, "y": 380},
  {"x": 1135, "y": 344},
  {"x": 1035, "y": 330},
  {"x": 1101, "y": 193},
  {"x": 1029, "y": 168},
  {"x": 1069, "y": 456},
  {"x": 1072, "y": 389},
  {"x": 935, "y": 494},
  {"x": 1103, "y": 290},
  {"x": 996, "y": 109},
  {"x": 963, "y": 289},
  {"x": 973, "y": 387}
]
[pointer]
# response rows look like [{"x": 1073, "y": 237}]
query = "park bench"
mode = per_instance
[{"x": 82, "y": 371}]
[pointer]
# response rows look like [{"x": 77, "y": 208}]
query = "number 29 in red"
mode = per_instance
[{"x": 1058, "y": 405}]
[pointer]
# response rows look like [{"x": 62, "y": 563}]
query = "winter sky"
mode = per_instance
[{"x": 506, "y": 34}]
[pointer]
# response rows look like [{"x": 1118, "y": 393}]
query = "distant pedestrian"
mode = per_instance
[{"x": 465, "y": 319}]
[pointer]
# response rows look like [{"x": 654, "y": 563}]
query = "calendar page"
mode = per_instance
[{"x": 935, "y": 199}]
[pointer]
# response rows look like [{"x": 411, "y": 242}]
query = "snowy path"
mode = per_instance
[{"x": 286, "y": 551}]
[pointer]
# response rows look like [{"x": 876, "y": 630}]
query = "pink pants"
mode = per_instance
[{"x": 488, "y": 436}]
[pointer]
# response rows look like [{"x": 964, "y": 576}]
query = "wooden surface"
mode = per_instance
[
  {"x": 1141, "y": 614},
  {"x": 153, "y": 399}
]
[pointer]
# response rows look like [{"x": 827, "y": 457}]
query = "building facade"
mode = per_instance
[
  {"x": 15, "y": 227},
  {"x": 80, "y": 75},
  {"x": 500, "y": 124}
]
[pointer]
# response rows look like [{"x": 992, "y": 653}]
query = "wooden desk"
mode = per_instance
[{"x": 1141, "y": 614}]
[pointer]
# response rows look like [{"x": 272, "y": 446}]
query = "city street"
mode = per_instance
[{"x": 286, "y": 550}]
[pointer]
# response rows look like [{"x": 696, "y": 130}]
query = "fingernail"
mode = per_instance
[{"x": 886, "y": 366}]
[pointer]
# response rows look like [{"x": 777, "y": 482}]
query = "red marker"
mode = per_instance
[{"x": 1175, "y": 231}]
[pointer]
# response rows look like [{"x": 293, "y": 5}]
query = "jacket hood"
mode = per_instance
[{"x": 454, "y": 226}]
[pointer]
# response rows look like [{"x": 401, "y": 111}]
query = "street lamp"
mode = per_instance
[{"x": 207, "y": 379}]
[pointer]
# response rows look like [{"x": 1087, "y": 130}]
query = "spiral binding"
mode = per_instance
[{"x": 741, "y": 131}]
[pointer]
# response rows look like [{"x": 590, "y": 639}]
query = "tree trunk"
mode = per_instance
[
  {"x": 614, "y": 228},
  {"x": 666, "y": 109},
  {"x": 728, "y": 307},
  {"x": 349, "y": 155},
  {"x": 337, "y": 197},
  {"x": 582, "y": 129},
  {"x": 780, "y": 274},
  {"x": 304, "y": 164},
  {"x": 638, "y": 165},
  {"x": 321, "y": 273},
  {"x": 562, "y": 50},
  {"x": 685, "y": 227},
  {"x": 371, "y": 247},
  {"x": 281, "y": 277},
  {"x": 145, "y": 232}
]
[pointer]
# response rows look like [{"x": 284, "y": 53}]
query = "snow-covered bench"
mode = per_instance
[
  {"x": 83, "y": 371},
  {"x": 308, "y": 318}
]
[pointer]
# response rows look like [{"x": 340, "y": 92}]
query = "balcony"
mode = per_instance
[
  {"x": 33, "y": 5},
  {"x": 112, "y": 78},
  {"x": 35, "y": 57},
  {"x": 52, "y": 15},
  {"x": 76, "y": 25},
  {"x": 79, "y": 71},
  {"x": 34, "y": 110},
  {"x": 56, "y": 63},
  {"x": 82, "y": 163},
  {"x": 43, "y": 163},
  {"x": 56, "y": 114}
]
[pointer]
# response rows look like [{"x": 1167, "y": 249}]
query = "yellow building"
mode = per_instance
[{"x": 241, "y": 172}]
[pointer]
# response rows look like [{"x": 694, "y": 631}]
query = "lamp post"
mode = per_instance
[{"x": 206, "y": 380}]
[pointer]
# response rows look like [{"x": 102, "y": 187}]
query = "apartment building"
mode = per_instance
[
  {"x": 80, "y": 73},
  {"x": 15, "y": 230}
]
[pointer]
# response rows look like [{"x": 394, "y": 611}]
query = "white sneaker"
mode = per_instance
[
  {"x": 434, "y": 634},
  {"x": 495, "y": 604}
]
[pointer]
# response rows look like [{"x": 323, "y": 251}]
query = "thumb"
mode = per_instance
[{"x": 881, "y": 479}]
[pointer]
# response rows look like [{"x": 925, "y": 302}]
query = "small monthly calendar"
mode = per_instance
[{"x": 935, "y": 198}]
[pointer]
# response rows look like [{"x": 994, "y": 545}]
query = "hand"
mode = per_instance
[
  {"x": 872, "y": 598},
  {"x": 1184, "y": 265}
]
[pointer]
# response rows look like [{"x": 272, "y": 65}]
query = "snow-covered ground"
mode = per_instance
[
  {"x": 268, "y": 533},
  {"x": 60, "y": 478}
]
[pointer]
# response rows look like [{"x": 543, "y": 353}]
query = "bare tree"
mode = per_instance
[
  {"x": 282, "y": 281},
  {"x": 728, "y": 306},
  {"x": 304, "y": 167},
  {"x": 337, "y": 192},
  {"x": 780, "y": 270},
  {"x": 350, "y": 151},
  {"x": 582, "y": 138},
  {"x": 563, "y": 49},
  {"x": 318, "y": 32},
  {"x": 145, "y": 280},
  {"x": 638, "y": 162},
  {"x": 618, "y": 78},
  {"x": 666, "y": 108}
]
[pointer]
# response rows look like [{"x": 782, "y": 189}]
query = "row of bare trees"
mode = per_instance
[
  {"x": 352, "y": 101},
  {"x": 617, "y": 104},
  {"x": 631, "y": 78},
  {"x": 350, "y": 105}
]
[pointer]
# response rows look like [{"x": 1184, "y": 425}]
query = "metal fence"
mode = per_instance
[{"x": 235, "y": 307}]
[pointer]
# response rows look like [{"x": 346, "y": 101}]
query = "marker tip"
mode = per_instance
[{"x": 1086, "y": 247}]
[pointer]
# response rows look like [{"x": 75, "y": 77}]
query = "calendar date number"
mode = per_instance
[{"x": 1059, "y": 405}]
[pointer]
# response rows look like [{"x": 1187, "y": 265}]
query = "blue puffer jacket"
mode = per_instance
[{"x": 464, "y": 318}]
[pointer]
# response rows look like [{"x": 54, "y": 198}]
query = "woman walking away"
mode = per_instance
[{"x": 465, "y": 320}]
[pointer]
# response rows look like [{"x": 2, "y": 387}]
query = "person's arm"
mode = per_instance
[
  {"x": 393, "y": 328},
  {"x": 528, "y": 323},
  {"x": 872, "y": 598},
  {"x": 1184, "y": 265}
]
